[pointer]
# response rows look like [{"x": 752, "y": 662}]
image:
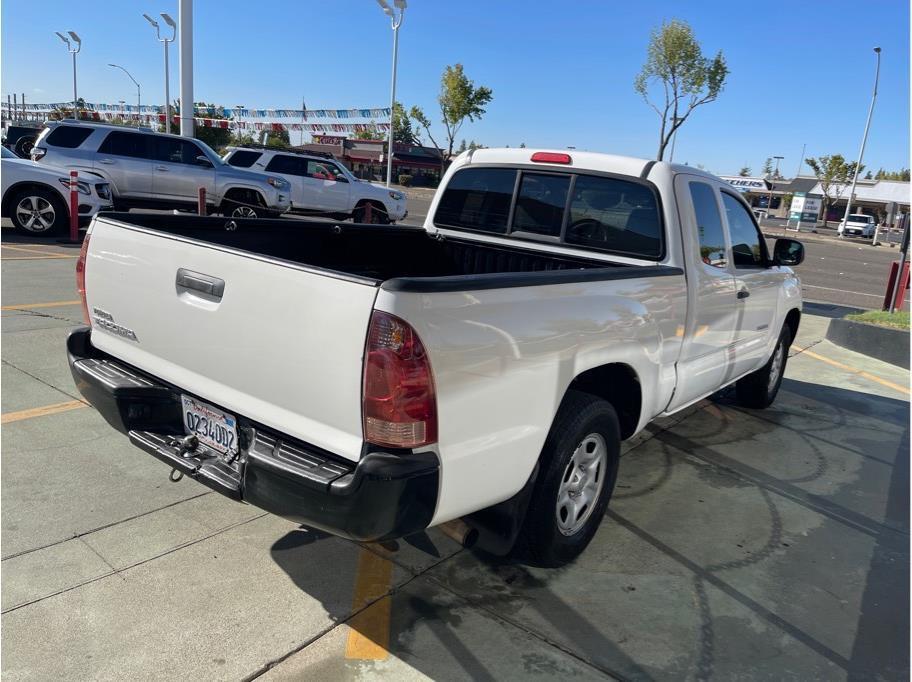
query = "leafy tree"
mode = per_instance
[
  {"x": 462, "y": 147},
  {"x": 276, "y": 139},
  {"x": 371, "y": 132},
  {"x": 768, "y": 167},
  {"x": 688, "y": 79},
  {"x": 459, "y": 100},
  {"x": 868, "y": 176},
  {"x": 522, "y": 145},
  {"x": 402, "y": 127},
  {"x": 217, "y": 138},
  {"x": 834, "y": 174},
  {"x": 902, "y": 174},
  {"x": 745, "y": 171}
]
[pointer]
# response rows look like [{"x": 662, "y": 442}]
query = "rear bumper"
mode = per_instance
[{"x": 382, "y": 496}]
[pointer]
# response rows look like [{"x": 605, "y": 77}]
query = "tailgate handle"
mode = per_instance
[{"x": 197, "y": 281}]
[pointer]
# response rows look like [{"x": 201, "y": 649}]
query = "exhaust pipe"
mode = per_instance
[{"x": 459, "y": 531}]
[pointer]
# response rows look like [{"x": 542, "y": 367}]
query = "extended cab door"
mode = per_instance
[
  {"x": 757, "y": 283},
  {"x": 178, "y": 172},
  {"x": 704, "y": 364},
  {"x": 125, "y": 159}
]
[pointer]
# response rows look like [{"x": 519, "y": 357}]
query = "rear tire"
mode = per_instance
[
  {"x": 578, "y": 470},
  {"x": 38, "y": 212},
  {"x": 758, "y": 389},
  {"x": 248, "y": 206}
]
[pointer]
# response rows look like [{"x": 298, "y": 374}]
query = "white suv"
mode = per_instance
[
  {"x": 36, "y": 197},
  {"x": 858, "y": 225},
  {"x": 320, "y": 185},
  {"x": 154, "y": 170}
]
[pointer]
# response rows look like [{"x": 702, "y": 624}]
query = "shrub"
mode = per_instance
[{"x": 405, "y": 180}]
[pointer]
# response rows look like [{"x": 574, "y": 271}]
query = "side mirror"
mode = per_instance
[
  {"x": 788, "y": 252},
  {"x": 203, "y": 161},
  {"x": 339, "y": 178}
]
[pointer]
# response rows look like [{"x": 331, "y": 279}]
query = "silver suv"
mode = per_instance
[{"x": 154, "y": 170}]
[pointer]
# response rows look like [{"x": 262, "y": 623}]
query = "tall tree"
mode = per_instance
[
  {"x": 370, "y": 132},
  {"x": 402, "y": 126},
  {"x": 688, "y": 79},
  {"x": 460, "y": 100},
  {"x": 768, "y": 167},
  {"x": 745, "y": 171},
  {"x": 834, "y": 175}
]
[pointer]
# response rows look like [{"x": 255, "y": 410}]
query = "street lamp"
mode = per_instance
[
  {"x": 138, "y": 89},
  {"x": 73, "y": 51},
  {"x": 864, "y": 139},
  {"x": 395, "y": 22},
  {"x": 165, "y": 41},
  {"x": 769, "y": 201}
]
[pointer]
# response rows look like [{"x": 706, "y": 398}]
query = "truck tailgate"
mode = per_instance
[{"x": 282, "y": 344}]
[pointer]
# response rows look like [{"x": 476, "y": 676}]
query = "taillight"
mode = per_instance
[
  {"x": 551, "y": 157},
  {"x": 81, "y": 279},
  {"x": 399, "y": 404}
]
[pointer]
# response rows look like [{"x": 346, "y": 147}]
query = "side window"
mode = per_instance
[
  {"x": 477, "y": 199},
  {"x": 285, "y": 163},
  {"x": 322, "y": 170},
  {"x": 613, "y": 214},
  {"x": 167, "y": 149},
  {"x": 709, "y": 225},
  {"x": 68, "y": 137},
  {"x": 540, "y": 204},
  {"x": 243, "y": 158},
  {"x": 747, "y": 244},
  {"x": 125, "y": 144}
]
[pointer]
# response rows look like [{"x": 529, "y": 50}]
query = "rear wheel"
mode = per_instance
[
  {"x": 758, "y": 389},
  {"x": 579, "y": 465},
  {"x": 38, "y": 211}
]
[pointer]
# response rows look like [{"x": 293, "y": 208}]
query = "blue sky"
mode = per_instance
[{"x": 562, "y": 73}]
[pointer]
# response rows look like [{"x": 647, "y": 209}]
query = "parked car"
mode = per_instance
[
  {"x": 322, "y": 186},
  {"x": 858, "y": 225},
  {"x": 373, "y": 381},
  {"x": 155, "y": 170},
  {"x": 760, "y": 213},
  {"x": 21, "y": 138},
  {"x": 36, "y": 197}
]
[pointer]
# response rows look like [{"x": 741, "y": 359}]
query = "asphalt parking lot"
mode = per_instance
[{"x": 739, "y": 544}]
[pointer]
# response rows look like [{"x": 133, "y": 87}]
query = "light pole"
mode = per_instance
[
  {"x": 73, "y": 51},
  {"x": 769, "y": 201},
  {"x": 864, "y": 139},
  {"x": 395, "y": 22},
  {"x": 165, "y": 41},
  {"x": 138, "y": 89}
]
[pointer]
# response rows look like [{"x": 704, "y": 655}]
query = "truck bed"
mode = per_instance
[{"x": 400, "y": 258}]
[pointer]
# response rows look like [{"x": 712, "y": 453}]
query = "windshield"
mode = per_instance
[{"x": 859, "y": 218}]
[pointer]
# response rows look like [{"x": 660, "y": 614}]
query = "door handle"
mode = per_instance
[
  {"x": 161, "y": 168},
  {"x": 106, "y": 161},
  {"x": 743, "y": 293},
  {"x": 197, "y": 281}
]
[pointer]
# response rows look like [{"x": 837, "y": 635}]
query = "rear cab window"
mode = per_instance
[
  {"x": 68, "y": 137},
  {"x": 243, "y": 158},
  {"x": 602, "y": 212}
]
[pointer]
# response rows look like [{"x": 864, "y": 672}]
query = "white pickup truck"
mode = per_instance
[{"x": 374, "y": 381}]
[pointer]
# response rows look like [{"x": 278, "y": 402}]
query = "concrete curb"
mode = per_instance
[{"x": 882, "y": 343}]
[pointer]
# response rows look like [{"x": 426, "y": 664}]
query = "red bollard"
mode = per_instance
[
  {"x": 900, "y": 290},
  {"x": 74, "y": 206},
  {"x": 367, "y": 213},
  {"x": 201, "y": 201}
]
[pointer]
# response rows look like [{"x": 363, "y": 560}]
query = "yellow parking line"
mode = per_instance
[
  {"x": 368, "y": 637},
  {"x": 854, "y": 370},
  {"x": 41, "y": 411},
  {"x": 29, "y": 306},
  {"x": 41, "y": 252}
]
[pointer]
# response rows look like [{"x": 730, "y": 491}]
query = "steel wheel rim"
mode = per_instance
[
  {"x": 36, "y": 214},
  {"x": 581, "y": 484},
  {"x": 776, "y": 366},
  {"x": 243, "y": 212}
]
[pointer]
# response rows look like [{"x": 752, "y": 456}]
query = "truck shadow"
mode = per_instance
[{"x": 823, "y": 473}]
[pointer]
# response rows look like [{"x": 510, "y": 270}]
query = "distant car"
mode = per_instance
[
  {"x": 760, "y": 213},
  {"x": 36, "y": 196},
  {"x": 155, "y": 170},
  {"x": 320, "y": 185},
  {"x": 858, "y": 225}
]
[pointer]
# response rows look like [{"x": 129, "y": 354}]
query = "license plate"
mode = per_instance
[{"x": 212, "y": 426}]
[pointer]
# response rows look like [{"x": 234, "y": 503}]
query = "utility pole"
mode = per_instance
[{"x": 864, "y": 139}]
